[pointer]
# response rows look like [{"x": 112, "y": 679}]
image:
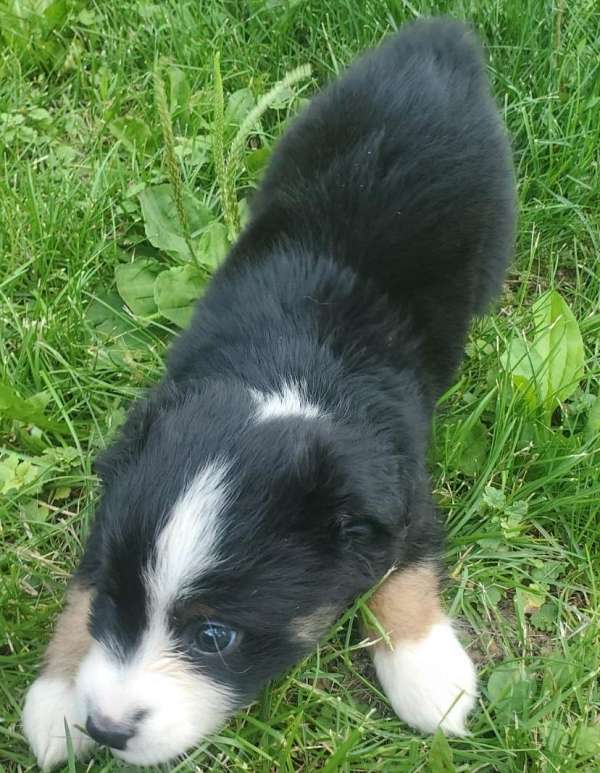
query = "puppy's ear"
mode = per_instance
[
  {"x": 131, "y": 437},
  {"x": 343, "y": 495}
]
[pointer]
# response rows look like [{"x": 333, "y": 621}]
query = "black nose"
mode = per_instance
[{"x": 109, "y": 733}]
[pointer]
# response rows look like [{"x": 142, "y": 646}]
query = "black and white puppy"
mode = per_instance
[{"x": 278, "y": 470}]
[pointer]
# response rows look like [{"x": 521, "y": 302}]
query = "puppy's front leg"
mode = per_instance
[
  {"x": 51, "y": 698},
  {"x": 424, "y": 670}
]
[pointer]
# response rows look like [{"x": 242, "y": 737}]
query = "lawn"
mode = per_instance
[{"x": 515, "y": 460}]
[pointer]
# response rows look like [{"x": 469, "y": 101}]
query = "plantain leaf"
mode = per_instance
[
  {"x": 212, "y": 245},
  {"x": 559, "y": 345},
  {"x": 525, "y": 366},
  {"x": 135, "y": 283},
  {"x": 176, "y": 291},
  {"x": 162, "y": 224},
  {"x": 548, "y": 369}
]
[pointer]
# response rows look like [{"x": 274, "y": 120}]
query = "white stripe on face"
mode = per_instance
[
  {"x": 290, "y": 400},
  {"x": 187, "y": 546},
  {"x": 180, "y": 705}
]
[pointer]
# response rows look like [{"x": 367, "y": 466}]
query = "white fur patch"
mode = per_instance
[
  {"x": 187, "y": 545},
  {"x": 290, "y": 400},
  {"x": 430, "y": 683},
  {"x": 182, "y": 706},
  {"x": 48, "y": 703}
]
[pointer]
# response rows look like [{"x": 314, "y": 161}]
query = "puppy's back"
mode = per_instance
[{"x": 400, "y": 169}]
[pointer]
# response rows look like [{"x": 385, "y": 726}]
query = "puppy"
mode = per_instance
[{"x": 278, "y": 470}]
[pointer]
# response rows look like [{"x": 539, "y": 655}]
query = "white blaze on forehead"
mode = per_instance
[
  {"x": 181, "y": 705},
  {"x": 188, "y": 543},
  {"x": 289, "y": 400}
]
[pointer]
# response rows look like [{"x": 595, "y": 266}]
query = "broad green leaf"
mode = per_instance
[
  {"x": 134, "y": 133},
  {"x": 440, "y": 755},
  {"x": 559, "y": 346},
  {"x": 135, "y": 283},
  {"x": 27, "y": 410},
  {"x": 212, "y": 245},
  {"x": 175, "y": 292},
  {"x": 548, "y": 369},
  {"x": 525, "y": 367},
  {"x": 162, "y": 223}
]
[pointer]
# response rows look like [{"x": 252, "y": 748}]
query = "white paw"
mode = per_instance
[
  {"x": 430, "y": 683},
  {"x": 48, "y": 703}
]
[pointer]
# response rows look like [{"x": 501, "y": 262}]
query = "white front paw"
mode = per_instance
[
  {"x": 49, "y": 702},
  {"x": 430, "y": 683}
]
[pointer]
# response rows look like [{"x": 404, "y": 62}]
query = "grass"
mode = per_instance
[{"x": 519, "y": 489}]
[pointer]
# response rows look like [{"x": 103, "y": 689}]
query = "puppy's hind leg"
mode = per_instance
[
  {"x": 424, "y": 670},
  {"x": 52, "y": 699}
]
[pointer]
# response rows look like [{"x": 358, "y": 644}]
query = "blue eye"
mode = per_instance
[{"x": 212, "y": 638}]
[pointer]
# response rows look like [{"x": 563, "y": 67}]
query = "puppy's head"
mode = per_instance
[{"x": 234, "y": 526}]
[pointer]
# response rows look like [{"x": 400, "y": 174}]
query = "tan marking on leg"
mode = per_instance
[
  {"x": 424, "y": 670},
  {"x": 71, "y": 640},
  {"x": 407, "y": 604}
]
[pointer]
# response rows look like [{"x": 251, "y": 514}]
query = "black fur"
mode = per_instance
[{"x": 383, "y": 225}]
